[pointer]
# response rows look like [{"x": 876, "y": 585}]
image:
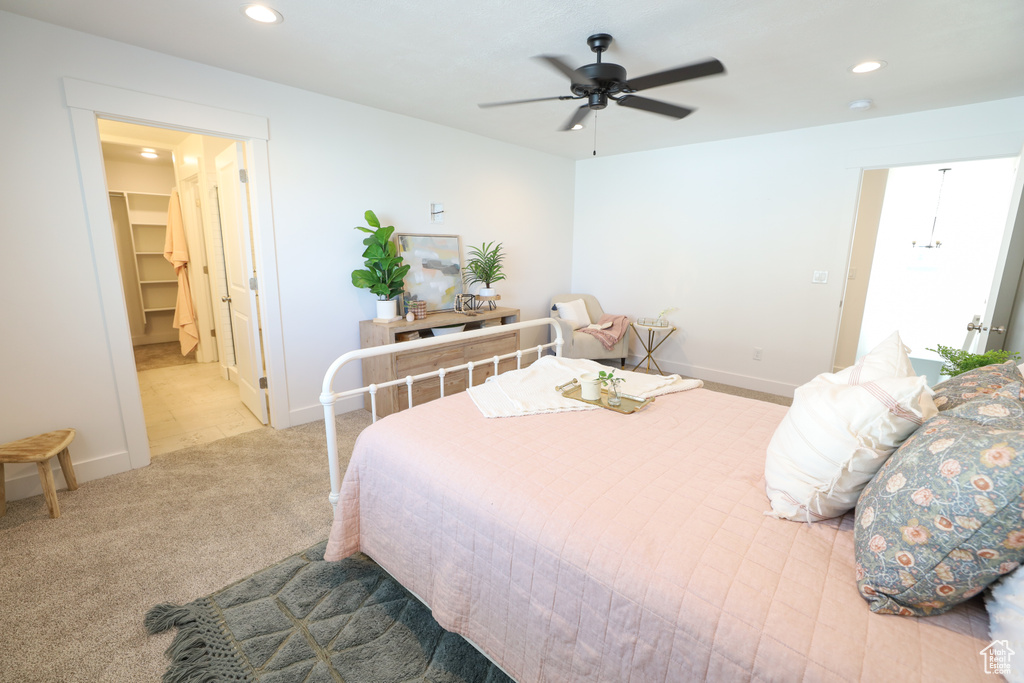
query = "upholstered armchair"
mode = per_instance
[{"x": 581, "y": 345}]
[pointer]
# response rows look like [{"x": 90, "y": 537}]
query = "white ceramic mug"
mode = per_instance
[{"x": 590, "y": 386}]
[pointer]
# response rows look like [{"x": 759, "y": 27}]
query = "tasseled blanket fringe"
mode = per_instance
[{"x": 194, "y": 658}]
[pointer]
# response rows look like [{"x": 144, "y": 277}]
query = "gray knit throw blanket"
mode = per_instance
[{"x": 310, "y": 621}]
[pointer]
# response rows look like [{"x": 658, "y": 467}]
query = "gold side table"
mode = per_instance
[{"x": 649, "y": 346}]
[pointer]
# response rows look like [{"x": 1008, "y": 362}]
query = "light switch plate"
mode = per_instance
[
  {"x": 436, "y": 212},
  {"x": 820, "y": 277}
]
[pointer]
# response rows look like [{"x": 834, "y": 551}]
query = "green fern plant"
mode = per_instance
[
  {"x": 957, "y": 361},
  {"x": 484, "y": 265}
]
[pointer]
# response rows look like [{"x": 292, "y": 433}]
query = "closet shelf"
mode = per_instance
[{"x": 147, "y": 221}]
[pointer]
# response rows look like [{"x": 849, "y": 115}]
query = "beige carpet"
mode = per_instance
[{"x": 73, "y": 591}]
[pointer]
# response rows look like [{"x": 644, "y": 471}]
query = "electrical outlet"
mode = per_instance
[{"x": 757, "y": 353}]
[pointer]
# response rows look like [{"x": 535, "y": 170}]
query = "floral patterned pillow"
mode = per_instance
[
  {"x": 958, "y": 390},
  {"x": 944, "y": 517}
]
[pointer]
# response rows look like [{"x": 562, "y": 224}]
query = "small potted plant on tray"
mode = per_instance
[
  {"x": 384, "y": 274},
  {"x": 484, "y": 267},
  {"x": 612, "y": 382}
]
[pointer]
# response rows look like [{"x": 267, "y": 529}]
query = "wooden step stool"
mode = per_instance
[{"x": 39, "y": 449}]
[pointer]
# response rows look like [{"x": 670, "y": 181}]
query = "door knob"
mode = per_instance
[
  {"x": 999, "y": 330},
  {"x": 971, "y": 327},
  {"x": 226, "y": 299}
]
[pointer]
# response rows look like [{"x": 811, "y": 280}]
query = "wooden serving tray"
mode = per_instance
[{"x": 630, "y": 404}]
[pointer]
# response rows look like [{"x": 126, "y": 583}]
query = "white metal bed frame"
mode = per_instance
[{"x": 328, "y": 397}]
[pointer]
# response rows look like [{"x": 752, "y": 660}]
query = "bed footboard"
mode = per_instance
[{"x": 328, "y": 397}]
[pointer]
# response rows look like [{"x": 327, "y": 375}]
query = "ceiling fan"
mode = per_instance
[{"x": 601, "y": 81}]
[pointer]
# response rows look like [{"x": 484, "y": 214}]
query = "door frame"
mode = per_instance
[
  {"x": 86, "y": 103},
  {"x": 1006, "y": 144}
]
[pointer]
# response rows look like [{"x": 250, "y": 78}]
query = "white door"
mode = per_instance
[
  {"x": 996, "y": 321},
  {"x": 234, "y": 215}
]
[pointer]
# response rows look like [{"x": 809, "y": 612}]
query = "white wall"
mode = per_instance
[
  {"x": 329, "y": 161},
  {"x": 731, "y": 231}
]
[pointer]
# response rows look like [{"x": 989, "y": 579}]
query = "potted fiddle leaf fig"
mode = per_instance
[
  {"x": 384, "y": 273},
  {"x": 484, "y": 267}
]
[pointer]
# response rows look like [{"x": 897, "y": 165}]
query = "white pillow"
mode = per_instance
[
  {"x": 838, "y": 433},
  {"x": 1005, "y": 605},
  {"x": 574, "y": 313},
  {"x": 888, "y": 359}
]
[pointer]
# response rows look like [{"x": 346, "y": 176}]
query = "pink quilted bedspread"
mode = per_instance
[{"x": 593, "y": 546}]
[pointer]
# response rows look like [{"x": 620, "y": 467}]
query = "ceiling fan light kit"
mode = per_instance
[{"x": 600, "y": 82}]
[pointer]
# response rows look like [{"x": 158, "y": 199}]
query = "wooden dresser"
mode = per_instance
[{"x": 396, "y": 365}]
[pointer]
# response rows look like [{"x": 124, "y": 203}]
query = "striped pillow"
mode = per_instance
[{"x": 835, "y": 437}]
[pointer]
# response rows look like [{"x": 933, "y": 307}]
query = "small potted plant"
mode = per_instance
[
  {"x": 958, "y": 361},
  {"x": 484, "y": 267},
  {"x": 384, "y": 274},
  {"x": 609, "y": 380}
]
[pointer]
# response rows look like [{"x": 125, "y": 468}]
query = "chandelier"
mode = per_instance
[{"x": 932, "y": 242}]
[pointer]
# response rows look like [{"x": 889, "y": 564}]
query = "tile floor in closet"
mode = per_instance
[{"x": 190, "y": 404}]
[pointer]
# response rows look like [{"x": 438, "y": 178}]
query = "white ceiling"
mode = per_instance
[{"x": 787, "y": 60}]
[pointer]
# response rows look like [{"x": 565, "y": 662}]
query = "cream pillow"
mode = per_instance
[
  {"x": 838, "y": 433},
  {"x": 574, "y": 313},
  {"x": 888, "y": 359}
]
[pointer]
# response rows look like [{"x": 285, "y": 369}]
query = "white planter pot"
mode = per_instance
[
  {"x": 387, "y": 309},
  {"x": 487, "y": 291}
]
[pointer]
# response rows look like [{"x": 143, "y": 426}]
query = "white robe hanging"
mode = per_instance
[{"x": 176, "y": 251}]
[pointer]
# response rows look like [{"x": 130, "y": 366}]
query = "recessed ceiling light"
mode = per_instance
[
  {"x": 149, "y": 153},
  {"x": 867, "y": 67},
  {"x": 578, "y": 126},
  {"x": 262, "y": 14},
  {"x": 860, "y": 105}
]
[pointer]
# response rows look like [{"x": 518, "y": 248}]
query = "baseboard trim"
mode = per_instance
[
  {"x": 315, "y": 412},
  {"x": 722, "y": 377},
  {"x": 26, "y": 484}
]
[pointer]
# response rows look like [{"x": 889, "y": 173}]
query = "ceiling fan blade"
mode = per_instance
[
  {"x": 577, "y": 117},
  {"x": 654, "y": 106},
  {"x": 559, "y": 64},
  {"x": 681, "y": 73},
  {"x": 535, "y": 99}
]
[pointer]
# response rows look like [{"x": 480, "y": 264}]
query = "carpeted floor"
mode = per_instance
[{"x": 73, "y": 590}]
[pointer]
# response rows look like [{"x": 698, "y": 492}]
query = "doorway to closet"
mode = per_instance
[{"x": 191, "y": 388}]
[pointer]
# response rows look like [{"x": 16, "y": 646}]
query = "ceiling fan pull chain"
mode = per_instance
[{"x": 595, "y": 134}]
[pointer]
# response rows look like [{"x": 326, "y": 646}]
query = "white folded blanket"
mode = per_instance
[{"x": 532, "y": 390}]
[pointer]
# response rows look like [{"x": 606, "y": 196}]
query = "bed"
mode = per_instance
[{"x": 593, "y": 546}]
